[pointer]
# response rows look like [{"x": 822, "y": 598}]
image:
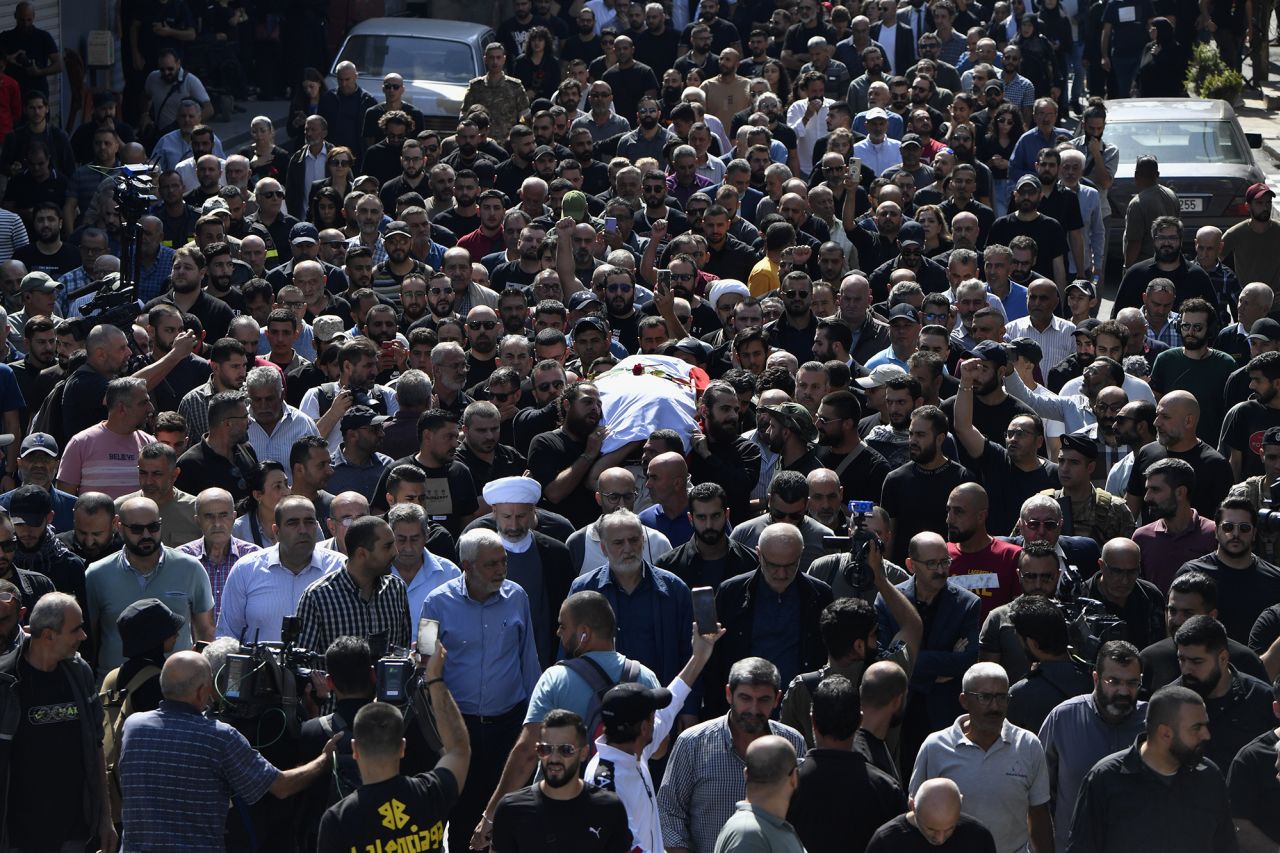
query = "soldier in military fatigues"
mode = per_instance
[
  {"x": 1101, "y": 516},
  {"x": 503, "y": 97},
  {"x": 1258, "y": 488}
]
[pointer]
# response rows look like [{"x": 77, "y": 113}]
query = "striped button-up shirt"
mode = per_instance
[
  {"x": 275, "y": 447},
  {"x": 178, "y": 770},
  {"x": 1056, "y": 342},
  {"x": 260, "y": 592},
  {"x": 218, "y": 569},
  {"x": 333, "y": 607},
  {"x": 704, "y": 782},
  {"x": 13, "y": 234},
  {"x": 71, "y": 282}
]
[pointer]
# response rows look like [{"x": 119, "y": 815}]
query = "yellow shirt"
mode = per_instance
[{"x": 764, "y": 277}]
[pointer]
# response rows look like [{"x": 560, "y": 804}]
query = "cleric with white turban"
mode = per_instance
[{"x": 513, "y": 500}]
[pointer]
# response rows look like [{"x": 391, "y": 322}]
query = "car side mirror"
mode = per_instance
[{"x": 1254, "y": 139}]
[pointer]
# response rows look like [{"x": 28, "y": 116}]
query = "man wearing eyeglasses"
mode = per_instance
[
  {"x": 1166, "y": 262},
  {"x": 144, "y": 568},
  {"x": 1084, "y": 729},
  {"x": 392, "y": 99},
  {"x": 616, "y": 490},
  {"x": 1137, "y": 601},
  {"x": 999, "y": 768}
]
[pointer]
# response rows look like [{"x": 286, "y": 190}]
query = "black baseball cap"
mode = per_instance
[{"x": 631, "y": 703}]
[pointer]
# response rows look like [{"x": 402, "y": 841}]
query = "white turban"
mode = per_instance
[
  {"x": 726, "y": 286},
  {"x": 512, "y": 490}
]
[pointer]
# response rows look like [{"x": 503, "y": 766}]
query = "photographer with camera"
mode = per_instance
[
  {"x": 1258, "y": 489},
  {"x": 420, "y": 802},
  {"x": 178, "y": 748},
  {"x": 850, "y": 631},
  {"x": 1055, "y": 674}
]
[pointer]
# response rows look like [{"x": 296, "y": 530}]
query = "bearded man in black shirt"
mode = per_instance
[{"x": 561, "y": 812}]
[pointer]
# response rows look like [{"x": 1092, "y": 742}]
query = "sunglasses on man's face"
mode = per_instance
[{"x": 565, "y": 750}]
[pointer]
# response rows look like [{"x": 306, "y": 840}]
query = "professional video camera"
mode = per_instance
[
  {"x": 1089, "y": 623},
  {"x": 1269, "y": 512},
  {"x": 266, "y": 677},
  {"x": 855, "y": 571},
  {"x": 115, "y": 299}
]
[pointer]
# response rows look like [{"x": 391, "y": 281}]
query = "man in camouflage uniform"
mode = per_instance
[
  {"x": 1258, "y": 488},
  {"x": 504, "y": 97},
  {"x": 1087, "y": 510}
]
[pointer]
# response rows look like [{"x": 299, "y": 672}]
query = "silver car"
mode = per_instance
[
  {"x": 1204, "y": 157},
  {"x": 436, "y": 58}
]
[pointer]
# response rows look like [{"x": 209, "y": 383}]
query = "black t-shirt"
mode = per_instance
[
  {"x": 82, "y": 401},
  {"x": 1214, "y": 477},
  {"x": 1253, "y": 786},
  {"x": 458, "y": 223},
  {"x": 450, "y": 495},
  {"x": 1008, "y": 485},
  {"x": 1242, "y": 430},
  {"x": 628, "y": 85},
  {"x": 204, "y": 468},
  {"x": 1242, "y": 593},
  {"x": 899, "y": 836},
  {"x": 829, "y": 781},
  {"x": 1051, "y": 239},
  {"x": 916, "y": 500},
  {"x": 549, "y": 454},
  {"x": 991, "y": 421},
  {"x": 479, "y": 370},
  {"x": 402, "y": 813},
  {"x": 595, "y": 821},
  {"x": 47, "y": 748},
  {"x": 56, "y": 265},
  {"x": 507, "y": 462},
  {"x": 863, "y": 478},
  {"x": 1266, "y": 628}
]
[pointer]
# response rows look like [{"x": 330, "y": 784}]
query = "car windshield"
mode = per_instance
[
  {"x": 413, "y": 57},
  {"x": 1177, "y": 141}
]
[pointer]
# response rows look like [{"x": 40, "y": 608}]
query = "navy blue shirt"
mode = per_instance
[{"x": 775, "y": 633}]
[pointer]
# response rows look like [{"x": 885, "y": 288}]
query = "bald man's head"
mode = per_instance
[
  {"x": 882, "y": 683},
  {"x": 771, "y": 762},
  {"x": 184, "y": 676},
  {"x": 935, "y": 810},
  {"x": 1177, "y": 415},
  {"x": 1121, "y": 550},
  {"x": 966, "y": 512}
]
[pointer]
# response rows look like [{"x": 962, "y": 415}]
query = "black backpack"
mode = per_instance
[{"x": 600, "y": 683}]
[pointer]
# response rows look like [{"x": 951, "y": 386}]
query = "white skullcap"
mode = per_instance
[
  {"x": 726, "y": 286},
  {"x": 512, "y": 490}
]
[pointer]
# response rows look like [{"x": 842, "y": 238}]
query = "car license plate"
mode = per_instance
[{"x": 1191, "y": 205}]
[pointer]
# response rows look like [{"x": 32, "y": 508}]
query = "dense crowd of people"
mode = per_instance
[{"x": 895, "y": 544}]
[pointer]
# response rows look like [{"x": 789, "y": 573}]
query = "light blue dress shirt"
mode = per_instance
[{"x": 493, "y": 661}]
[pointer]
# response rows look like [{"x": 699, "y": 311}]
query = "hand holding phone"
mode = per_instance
[{"x": 428, "y": 637}]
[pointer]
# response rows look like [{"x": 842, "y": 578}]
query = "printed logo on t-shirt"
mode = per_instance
[
  {"x": 978, "y": 582},
  {"x": 395, "y": 816},
  {"x": 1255, "y": 442},
  {"x": 46, "y": 715}
]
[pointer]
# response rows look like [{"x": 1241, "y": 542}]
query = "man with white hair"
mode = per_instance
[
  {"x": 999, "y": 768},
  {"x": 771, "y": 612},
  {"x": 615, "y": 490},
  {"x": 216, "y": 549},
  {"x": 419, "y": 569},
  {"x": 491, "y": 673},
  {"x": 274, "y": 425},
  {"x": 652, "y": 606},
  {"x": 537, "y": 562}
]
